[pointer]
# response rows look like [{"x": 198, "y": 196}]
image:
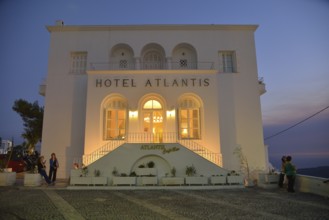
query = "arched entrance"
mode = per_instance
[{"x": 153, "y": 117}]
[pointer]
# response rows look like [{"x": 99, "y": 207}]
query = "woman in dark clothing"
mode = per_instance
[
  {"x": 42, "y": 169},
  {"x": 53, "y": 165},
  {"x": 282, "y": 174}
]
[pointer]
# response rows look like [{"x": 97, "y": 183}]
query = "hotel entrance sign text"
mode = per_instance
[{"x": 157, "y": 82}]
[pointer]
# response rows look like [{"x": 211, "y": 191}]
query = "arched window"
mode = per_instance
[
  {"x": 153, "y": 60},
  {"x": 152, "y": 104},
  {"x": 184, "y": 57},
  {"x": 153, "y": 116},
  {"x": 189, "y": 119},
  {"x": 115, "y": 119},
  {"x": 122, "y": 57},
  {"x": 153, "y": 119},
  {"x": 153, "y": 56}
]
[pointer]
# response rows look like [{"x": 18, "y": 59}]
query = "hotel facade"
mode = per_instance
[{"x": 118, "y": 97}]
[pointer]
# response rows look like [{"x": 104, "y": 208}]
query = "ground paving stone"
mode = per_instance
[
  {"x": 16, "y": 203},
  {"x": 249, "y": 203}
]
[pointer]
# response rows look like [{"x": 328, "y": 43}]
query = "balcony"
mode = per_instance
[{"x": 151, "y": 66}]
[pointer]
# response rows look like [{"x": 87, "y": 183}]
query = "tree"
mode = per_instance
[
  {"x": 32, "y": 116},
  {"x": 244, "y": 165}
]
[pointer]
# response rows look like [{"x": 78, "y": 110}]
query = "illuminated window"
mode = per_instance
[
  {"x": 115, "y": 120},
  {"x": 189, "y": 119},
  {"x": 152, "y": 104},
  {"x": 153, "y": 120},
  {"x": 78, "y": 62}
]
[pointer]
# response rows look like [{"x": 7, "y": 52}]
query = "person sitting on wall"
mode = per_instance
[
  {"x": 42, "y": 169},
  {"x": 290, "y": 171}
]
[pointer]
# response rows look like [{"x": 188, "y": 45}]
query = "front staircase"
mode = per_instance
[{"x": 150, "y": 138}]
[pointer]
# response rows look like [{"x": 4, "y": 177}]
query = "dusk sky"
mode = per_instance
[{"x": 292, "y": 45}]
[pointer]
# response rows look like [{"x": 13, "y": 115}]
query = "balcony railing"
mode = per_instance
[
  {"x": 100, "y": 152},
  {"x": 151, "y": 66},
  {"x": 168, "y": 137}
]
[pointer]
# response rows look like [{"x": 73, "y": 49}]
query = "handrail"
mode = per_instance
[
  {"x": 100, "y": 152},
  {"x": 143, "y": 137},
  {"x": 202, "y": 151}
]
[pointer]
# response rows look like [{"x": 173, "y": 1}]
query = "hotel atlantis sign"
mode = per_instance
[{"x": 156, "y": 82}]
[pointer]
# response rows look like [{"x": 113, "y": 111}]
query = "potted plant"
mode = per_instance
[
  {"x": 150, "y": 164},
  {"x": 172, "y": 180},
  {"x": 146, "y": 171},
  {"x": 98, "y": 179},
  {"x": 191, "y": 179},
  {"x": 7, "y": 177},
  {"x": 32, "y": 178},
  {"x": 80, "y": 176},
  {"x": 234, "y": 178},
  {"x": 244, "y": 166},
  {"x": 123, "y": 178},
  {"x": 190, "y": 170}
]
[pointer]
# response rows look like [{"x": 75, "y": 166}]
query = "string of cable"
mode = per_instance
[{"x": 280, "y": 132}]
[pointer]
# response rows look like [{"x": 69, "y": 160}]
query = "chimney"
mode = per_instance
[{"x": 59, "y": 23}]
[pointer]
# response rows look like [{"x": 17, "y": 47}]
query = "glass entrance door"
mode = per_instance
[
  {"x": 153, "y": 121},
  {"x": 153, "y": 125}
]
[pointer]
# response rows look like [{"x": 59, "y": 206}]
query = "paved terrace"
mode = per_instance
[{"x": 60, "y": 202}]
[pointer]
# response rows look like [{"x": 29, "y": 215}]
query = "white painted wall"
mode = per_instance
[{"x": 231, "y": 113}]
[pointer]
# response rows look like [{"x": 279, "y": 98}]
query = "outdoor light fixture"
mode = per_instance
[{"x": 133, "y": 114}]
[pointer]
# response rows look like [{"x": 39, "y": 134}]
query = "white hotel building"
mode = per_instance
[{"x": 177, "y": 95}]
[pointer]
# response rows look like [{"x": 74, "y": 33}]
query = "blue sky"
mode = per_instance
[{"x": 292, "y": 55}]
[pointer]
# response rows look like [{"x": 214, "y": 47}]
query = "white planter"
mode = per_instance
[
  {"x": 74, "y": 180},
  {"x": 146, "y": 171},
  {"x": 196, "y": 180},
  {"x": 32, "y": 179},
  {"x": 7, "y": 178},
  {"x": 99, "y": 180},
  {"x": 221, "y": 180},
  {"x": 149, "y": 180},
  {"x": 261, "y": 178},
  {"x": 235, "y": 180},
  {"x": 8, "y": 170},
  {"x": 271, "y": 178},
  {"x": 124, "y": 180},
  {"x": 77, "y": 179},
  {"x": 75, "y": 173},
  {"x": 173, "y": 181},
  {"x": 265, "y": 178}
]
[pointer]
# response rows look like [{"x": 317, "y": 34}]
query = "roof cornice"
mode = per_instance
[{"x": 176, "y": 27}]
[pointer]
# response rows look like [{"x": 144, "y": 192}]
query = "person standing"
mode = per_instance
[
  {"x": 281, "y": 178},
  {"x": 290, "y": 171},
  {"x": 42, "y": 169},
  {"x": 53, "y": 165}
]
